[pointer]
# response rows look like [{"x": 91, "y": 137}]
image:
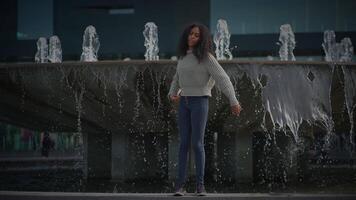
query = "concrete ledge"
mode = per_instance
[
  {"x": 11, "y": 195},
  {"x": 165, "y": 61}
]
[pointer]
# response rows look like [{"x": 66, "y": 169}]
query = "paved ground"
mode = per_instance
[{"x": 9, "y": 195}]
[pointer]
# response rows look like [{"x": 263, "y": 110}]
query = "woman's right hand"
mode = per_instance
[
  {"x": 236, "y": 109},
  {"x": 174, "y": 98}
]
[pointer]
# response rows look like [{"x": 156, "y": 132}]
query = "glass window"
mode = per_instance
[
  {"x": 266, "y": 16},
  {"x": 34, "y": 19}
]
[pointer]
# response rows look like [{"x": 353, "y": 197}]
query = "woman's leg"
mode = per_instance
[
  {"x": 199, "y": 116},
  {"x": 184, "y": 128}
]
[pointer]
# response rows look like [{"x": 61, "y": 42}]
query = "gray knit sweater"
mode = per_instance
[{"x": 197, "y": 79}]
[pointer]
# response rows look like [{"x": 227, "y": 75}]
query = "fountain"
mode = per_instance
[
  {"x": 42, "y": 51},
  {"x": 286, "y": 42},
  {"x": 335, "y": 51},
  {"x": 222, "y": 41},
  {"x": 329, "y": 46},
  {"x": 55, "y": 50},
  {"x": 136, "y": 115},
  {"x": 347, "y": 50},
  {"x": 151, "y": 41},
  {"x": 287, "y": 133},
  {"x": 91, "y": 45}
]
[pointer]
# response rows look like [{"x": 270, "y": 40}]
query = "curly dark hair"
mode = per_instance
[{"x": 202, "y": 48}]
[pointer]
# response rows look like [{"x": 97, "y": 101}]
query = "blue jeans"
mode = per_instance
[{"x": 192, "y": 118}]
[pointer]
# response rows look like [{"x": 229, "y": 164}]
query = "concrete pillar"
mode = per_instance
[
  {"x": 85, "y": 154},
  {"x": 243, "y": 154},
  {"x": 173, "y": 149},
  {"x": 120, "y": 156},
  {"x": 98, "y": 158}
]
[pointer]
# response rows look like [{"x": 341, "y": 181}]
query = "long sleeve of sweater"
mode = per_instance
[
  {"x": 221, "y": 78},
  {"x": 174, "y": 85},
  {"x": 194, "y": 78}
]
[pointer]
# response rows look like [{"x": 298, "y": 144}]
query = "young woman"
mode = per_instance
[{"x": 197, "y": 71}]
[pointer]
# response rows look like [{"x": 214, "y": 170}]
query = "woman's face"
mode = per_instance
[{"x": 193, "y": 37}]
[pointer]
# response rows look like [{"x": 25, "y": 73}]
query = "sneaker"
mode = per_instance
[
  {"x": 200, "y": 190},
  {"x": 180, "y": 192}
]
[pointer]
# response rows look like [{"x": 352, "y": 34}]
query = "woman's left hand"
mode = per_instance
[{"x": 236, "y": 109}]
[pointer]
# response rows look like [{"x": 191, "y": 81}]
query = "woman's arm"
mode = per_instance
[
  {"x": 221, "y": 79},
  {"x": 173, "y": 91}
]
